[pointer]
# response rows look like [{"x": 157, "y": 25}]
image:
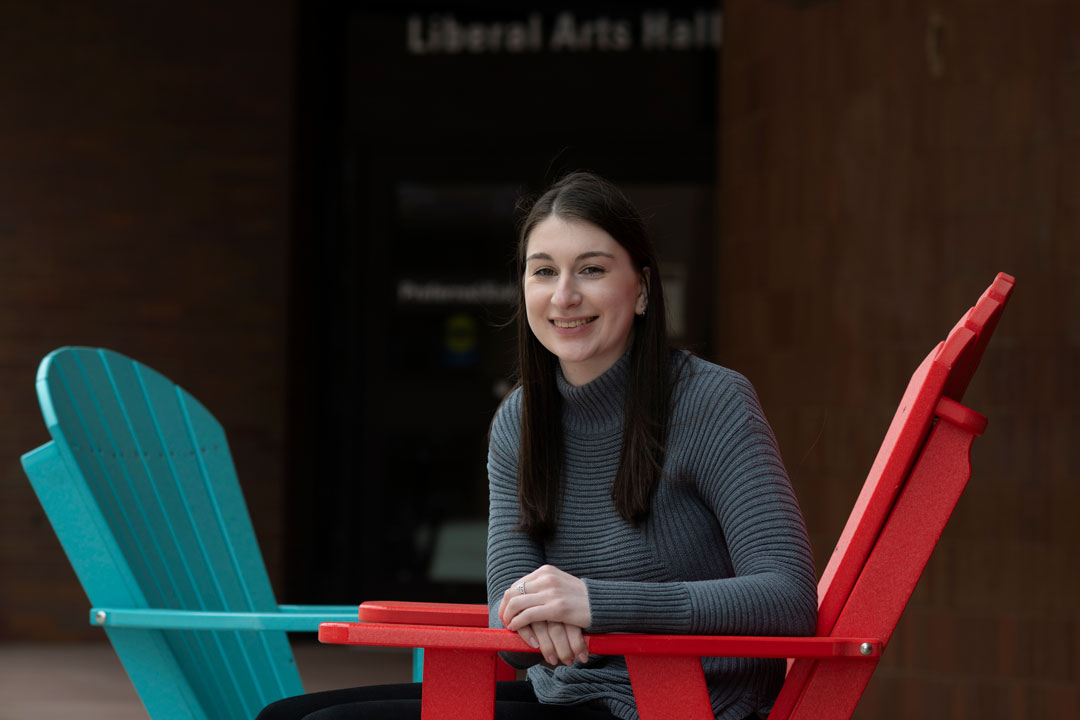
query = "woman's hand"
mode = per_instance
[
  {"x": 549, "y": 609},
  {"x": 557, "y": 642}
]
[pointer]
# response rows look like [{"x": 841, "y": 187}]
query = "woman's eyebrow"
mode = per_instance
[
  {"x": 582, "y": 256},
  {"x": 595, "y": 253}
]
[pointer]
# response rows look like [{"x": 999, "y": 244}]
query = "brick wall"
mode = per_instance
[
  {"x": 144, "y": 195},
  {"x": 881, "y": 161}
]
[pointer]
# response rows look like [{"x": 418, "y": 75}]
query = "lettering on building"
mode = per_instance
[
  {"x": 652, "y": 30},
  {"x": 434, "y": 292}
]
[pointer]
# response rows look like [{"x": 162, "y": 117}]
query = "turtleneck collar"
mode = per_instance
[{"x": 597, "y": 406}]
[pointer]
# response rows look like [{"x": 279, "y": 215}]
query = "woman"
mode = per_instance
[{"x": 632, "y": 488}]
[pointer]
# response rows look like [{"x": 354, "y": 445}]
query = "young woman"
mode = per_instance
[{"x": 633, "y": 488}]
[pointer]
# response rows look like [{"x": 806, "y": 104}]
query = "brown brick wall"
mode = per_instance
[
  {"x": 144, "y": 195},
  {"x": 881, "y": 161}
]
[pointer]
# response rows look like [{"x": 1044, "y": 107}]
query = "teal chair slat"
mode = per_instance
[{"x": 140, "y": 487}]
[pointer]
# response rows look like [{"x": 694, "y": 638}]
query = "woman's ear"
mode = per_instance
[{"x": 643, "y": 296}]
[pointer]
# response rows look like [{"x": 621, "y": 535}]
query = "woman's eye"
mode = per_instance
[
  {"x": 592, "y": 270},
  {"x": 544, "y": 272}
]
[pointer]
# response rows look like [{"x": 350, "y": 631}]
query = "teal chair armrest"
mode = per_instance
[
  {"x": 297, "y": 618},
  {"x": 335, "y": 610}
]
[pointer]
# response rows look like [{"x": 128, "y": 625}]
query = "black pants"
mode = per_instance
[{"x": 513, "y": 701}]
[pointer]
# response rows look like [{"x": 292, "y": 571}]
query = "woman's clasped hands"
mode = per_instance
[{"x": 549, "y": 609}]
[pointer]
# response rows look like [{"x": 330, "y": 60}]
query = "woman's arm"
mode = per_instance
[
  {"x": 722, "y": 443},
  {"x": 512, "y": 556}
]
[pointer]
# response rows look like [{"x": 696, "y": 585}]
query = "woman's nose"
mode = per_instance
[{"x": 566, "y": 293}]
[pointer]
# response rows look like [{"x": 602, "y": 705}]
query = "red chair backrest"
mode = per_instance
[
  {"x": 935, "y": 388},
  {"x": 946, "y": 371}
]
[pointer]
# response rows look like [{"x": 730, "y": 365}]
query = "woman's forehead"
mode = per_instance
[{"x": 558, "y": 236}]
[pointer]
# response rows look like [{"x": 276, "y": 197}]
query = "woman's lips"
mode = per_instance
[{"x": 570, "y": 324}]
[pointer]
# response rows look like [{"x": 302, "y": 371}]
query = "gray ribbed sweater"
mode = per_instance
[{"x": 723, "y": 551}]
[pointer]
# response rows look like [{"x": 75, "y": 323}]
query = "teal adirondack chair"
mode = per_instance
[{"x": 140, "y": 488}]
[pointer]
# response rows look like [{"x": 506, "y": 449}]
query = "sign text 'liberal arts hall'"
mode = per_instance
[{"x": 656, "y": 30}]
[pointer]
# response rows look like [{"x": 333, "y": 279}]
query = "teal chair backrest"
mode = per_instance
[{"x": 140, "y": 487}]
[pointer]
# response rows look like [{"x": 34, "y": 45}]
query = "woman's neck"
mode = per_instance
[{"x": 598, "y": 404}]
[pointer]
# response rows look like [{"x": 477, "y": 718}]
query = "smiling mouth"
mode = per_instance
[{"x": 573, "y": 323}]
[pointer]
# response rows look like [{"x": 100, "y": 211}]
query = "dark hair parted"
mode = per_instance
[{"x": 585, "y": 197}]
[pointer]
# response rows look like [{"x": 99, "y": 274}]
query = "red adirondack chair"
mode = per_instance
[{"x": 914, "y": 484}]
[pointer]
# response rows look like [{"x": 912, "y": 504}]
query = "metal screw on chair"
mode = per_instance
[
  {"x": 866, "y": 648},
  {"x": 99, "y": 617}
]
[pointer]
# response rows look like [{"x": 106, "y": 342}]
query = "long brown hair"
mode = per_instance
[{"x": 585, "y": 197}]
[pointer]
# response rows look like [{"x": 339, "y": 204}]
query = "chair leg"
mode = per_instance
[
  {"x": 504, "y": 671},
  {"x": 836, "y": 691},
  {"x": 418, "y": 665},
  {"x": 669, "y": 687},
  {"x": 458, "y": 685}
]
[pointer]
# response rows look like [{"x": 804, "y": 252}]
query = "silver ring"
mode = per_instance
[{"x": 521, "y": 588}]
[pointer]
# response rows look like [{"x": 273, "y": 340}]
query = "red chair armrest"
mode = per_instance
[
  {"x": 421, "y": 613},
  {"x": 734, "y": 646},
  {"x": 474, "y": 638},
  {"x": 425, "y": 636}
]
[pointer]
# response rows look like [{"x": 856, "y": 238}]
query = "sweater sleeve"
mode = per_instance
[
  {"x": 511, "y": 553},
  {"x": 723, "y": 442}
]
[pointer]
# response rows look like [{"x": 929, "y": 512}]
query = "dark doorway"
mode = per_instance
[{"x": 418, "y": 129}]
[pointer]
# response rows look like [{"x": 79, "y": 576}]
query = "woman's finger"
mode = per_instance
[
  {"x": 526, "y": 633},
  {"x": 561, "y": 642},
  {"x": 506, "y": 598},
  {"x": 577, "y": 641},
  {"x": 513, "y": 599},
  {"x": 543, "y": 638},
  {"x": 530, "y": 615},
  {"x": 514, "y": 602}
]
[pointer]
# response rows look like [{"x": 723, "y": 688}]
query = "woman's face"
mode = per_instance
[{"x": 581, "y": 294}]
